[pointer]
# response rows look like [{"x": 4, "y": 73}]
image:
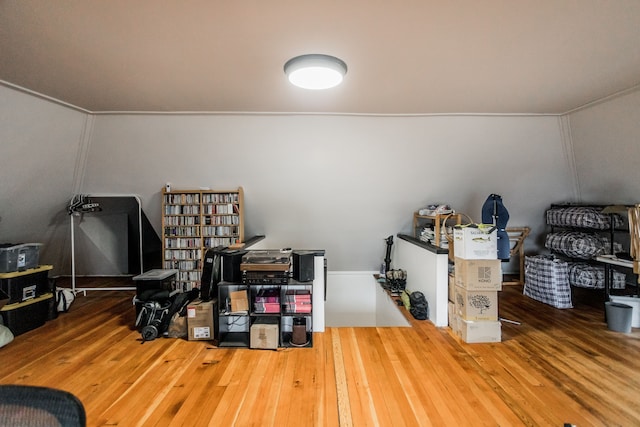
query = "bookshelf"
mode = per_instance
[{"x": 192, "y": 222}]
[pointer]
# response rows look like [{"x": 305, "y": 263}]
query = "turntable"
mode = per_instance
[{"x": 266, "y": 260}]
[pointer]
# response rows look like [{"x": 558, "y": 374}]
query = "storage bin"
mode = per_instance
[
  {"x": 618, "y": 316},
  {"x": 632, "y": 301},
  {"x": 26, "y": 316},
  {"x": 4, "y": 298},
  {"x": 546, "y": 279},
  {"x": 25, "y": 285},
  {"x": 17, "y": 257}
]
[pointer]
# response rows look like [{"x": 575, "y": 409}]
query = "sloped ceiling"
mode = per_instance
[{"x": 406, "y": 57}]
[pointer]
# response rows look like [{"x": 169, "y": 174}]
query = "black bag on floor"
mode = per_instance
[
  {"x": 419, "y": 306},
  {"x": 157, "y": 310}
]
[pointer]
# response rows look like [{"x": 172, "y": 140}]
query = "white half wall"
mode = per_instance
[
  {"x": 427, "y": 272},
  {"x": 354, "y": 298}
]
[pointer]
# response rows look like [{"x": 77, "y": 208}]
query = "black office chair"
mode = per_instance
[{"x": 32, "y": 406}]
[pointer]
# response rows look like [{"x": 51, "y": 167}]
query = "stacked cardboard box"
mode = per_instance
[
  {"x": 477, "y": 279},
  {"x": 200, "y": 320}
]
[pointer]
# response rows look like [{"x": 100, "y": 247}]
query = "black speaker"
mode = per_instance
[
  {"x": 210, "y": 274},
  {"x": 231, "y": 261},
  {"x": 303, "y": 270}
]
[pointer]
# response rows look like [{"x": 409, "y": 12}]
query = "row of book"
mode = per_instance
[
  {"x": 221, "y": 220},
  {"x": 220, "y": 230},
  {"x": 220, "y": 198},
  {"x": 297, "y": 308},
  {"x": 224, "y": 209},
  {"x": 182, "y": 254},
  {"x": 182, "y": 198},
  {"x": 182, "y": 209},
  {"x": 184, "y": 231},
  {"x": 273, "y": 308},
  {"x": 185, "y": 265},
  {"x": 297, "y": 301},
  {"x": 182, "y": 220},
  {"x": 212, "y": 242},
  {"x": 267, "y": 300},
  {"x": 182, "y": 243}
]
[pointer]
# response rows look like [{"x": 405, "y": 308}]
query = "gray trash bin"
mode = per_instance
[{"x": 618, "y": 316}]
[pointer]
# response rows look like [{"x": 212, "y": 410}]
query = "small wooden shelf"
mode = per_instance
[{"x": 437, "y": 221}]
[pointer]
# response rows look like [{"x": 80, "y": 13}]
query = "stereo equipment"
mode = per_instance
[
  {"x": 266, "y": 260},
  {"x": 303, "y": 270},
  {"x": 265, "y": 277},
  {"x": 231, "y": 261}
]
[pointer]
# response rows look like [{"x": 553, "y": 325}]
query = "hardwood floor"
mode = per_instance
[{"x": 556, "y": 367}]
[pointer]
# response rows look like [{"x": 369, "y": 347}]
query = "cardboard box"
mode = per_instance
[
  {"x": 476, "y": 305},
  {"x": 478, "y": 332},
  {"x": 239, "y": 301},
  {"x": 200, "y": 320},
  {"x": 451, "y": 315},
  {"x": 452, "y": 288},
  {"x": 479, "y": 274},
  {"x": 475, "y": 241},
  {"x": 264, "y": 333}
]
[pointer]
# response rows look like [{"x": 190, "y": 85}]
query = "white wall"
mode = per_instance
[
  {"x": 606, "y": 140},
  {"x": 40, "y": 143},
  {"x": 339, "y": 183}
]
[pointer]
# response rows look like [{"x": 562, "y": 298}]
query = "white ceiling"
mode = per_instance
[{"x": 404, "y": 57}]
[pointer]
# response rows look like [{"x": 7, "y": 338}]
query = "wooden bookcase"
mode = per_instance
[{"x": 192, "y": 222}]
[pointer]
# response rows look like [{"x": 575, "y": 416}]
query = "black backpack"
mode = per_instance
[{"x": 419, "y": 305}]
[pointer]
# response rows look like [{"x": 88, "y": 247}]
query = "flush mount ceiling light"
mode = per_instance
[{"x": 315, "y": 71}]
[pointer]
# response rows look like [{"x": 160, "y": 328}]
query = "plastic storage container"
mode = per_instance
[
  {"x": 25, "y": 316},
  {"x": 618, "y": 316},
  {"x": 4, "y": 298},
  {"x": 24, "y": 285},
  {"x": 18, "y": 257}
]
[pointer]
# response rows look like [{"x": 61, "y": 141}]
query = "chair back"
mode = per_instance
[{"x": 34, "y": 406}]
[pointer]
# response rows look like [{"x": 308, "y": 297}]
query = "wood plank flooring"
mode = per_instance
[{"x": 556, "y": 367}]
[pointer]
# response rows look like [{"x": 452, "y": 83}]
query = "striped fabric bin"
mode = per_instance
[{"x": 546, "y": 279}]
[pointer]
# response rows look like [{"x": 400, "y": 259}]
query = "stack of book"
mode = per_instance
[
  {"x": 267, "y": 301},
  {"x": 297, "y": 301}
]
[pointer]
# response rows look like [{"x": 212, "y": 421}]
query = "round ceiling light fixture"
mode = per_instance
[{"x": 315, "y": 71}]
